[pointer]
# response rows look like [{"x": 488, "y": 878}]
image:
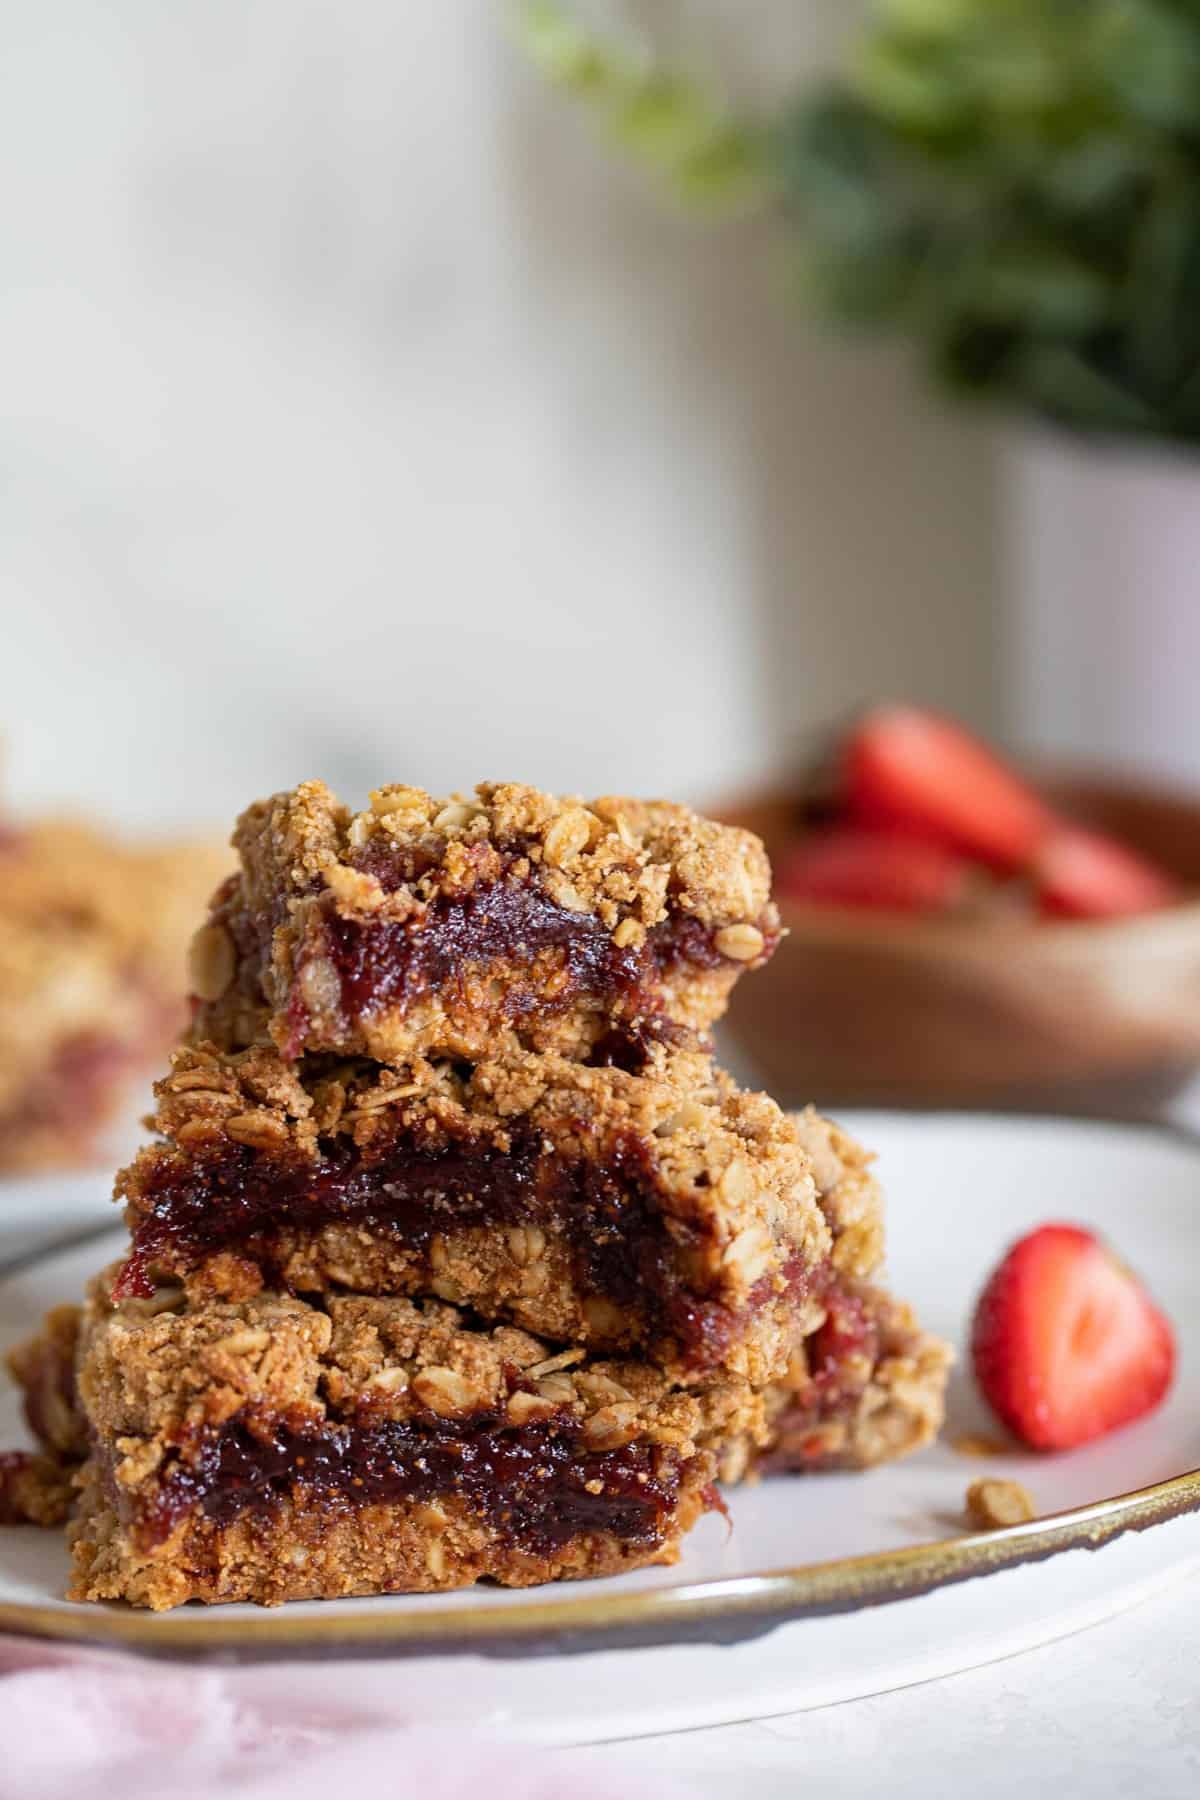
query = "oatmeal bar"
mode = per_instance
[
  {"x": 37, "y": 1488},
  {"x": 466, "y": 927},
  {"x": 866, "y": 1386},
  {"x": 273, "y": 1450},
  {"x": 93, "y": 940},
  {"x": 667, "y": 1213}
]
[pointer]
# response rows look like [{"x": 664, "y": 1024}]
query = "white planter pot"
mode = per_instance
[{"x": 1103, "y": 547}]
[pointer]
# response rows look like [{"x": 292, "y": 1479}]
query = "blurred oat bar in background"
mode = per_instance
[{"x": 93, "y": 944}]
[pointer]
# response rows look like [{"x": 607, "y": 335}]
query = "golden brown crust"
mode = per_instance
[
  {"x": 707, "y": 1185},
  {"x": 848, "y": 1193},
  {"x": 93, "y": 935},
  {"x": 153, "y": 1368},
  {"x": 604, "y": 881}
]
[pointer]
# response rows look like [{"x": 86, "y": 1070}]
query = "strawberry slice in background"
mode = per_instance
[
  {"x": 1066, "y": 1343},
  {"x": 914, "y": 771},
  {"x": 849, "y": 866},
  {"x": 1084, "y": 875}
]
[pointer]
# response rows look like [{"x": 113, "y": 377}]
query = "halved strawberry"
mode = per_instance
[
  {"x": 844, "y": 866},
  {"x": 1066, "y": 1343},
  {"x": 1084, "y": 875},
  {"x": 914, "y": 771}
]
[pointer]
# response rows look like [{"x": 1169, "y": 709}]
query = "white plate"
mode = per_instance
[{"x": 826, "y": 1588}]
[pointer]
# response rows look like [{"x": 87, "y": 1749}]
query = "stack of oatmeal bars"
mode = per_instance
[{"x": 456, "y": 1255}]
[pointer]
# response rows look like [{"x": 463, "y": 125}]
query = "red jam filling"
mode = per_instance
[
  {"x": 394, "y": 963},
  {"x": 848, "y": 1331},
  {"x": 835, "y": 1386},
  {"x": 533, "y": 1484}
]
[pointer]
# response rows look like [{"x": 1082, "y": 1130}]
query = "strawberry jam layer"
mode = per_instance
[
  {"x": 554, "y": 958},
  {"x": 235, "y": 1198},
  {"x": 841, "y": 1356},
  {"x": 536, "y": 1485}
]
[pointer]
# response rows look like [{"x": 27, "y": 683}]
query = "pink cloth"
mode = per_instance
[{"x": 87, "y": 1725}]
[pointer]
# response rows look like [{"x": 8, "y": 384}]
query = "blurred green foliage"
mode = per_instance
[
  {"x": 1013, "y": 183},
  {"x": 659, "y": 116}
]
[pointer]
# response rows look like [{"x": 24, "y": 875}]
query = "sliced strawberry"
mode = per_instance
[
  {"x": 916, "y": 772},
  {"x": 1083, "y": 875},
  {"x": 1066, "y": 1343},
  {"x": 843, "y": 866}
]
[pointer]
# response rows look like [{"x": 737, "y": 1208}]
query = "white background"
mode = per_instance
[{"x": 361, "y": 414}]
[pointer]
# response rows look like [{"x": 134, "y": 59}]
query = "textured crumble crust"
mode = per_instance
[
  {"x": 669, "y": 1213},
  {"x": 38, "y": 1488},
  {"x": 464, "y": 927},
  {"x": 35, "y": 1489},
  {"x": 269, "y": 1450},
  {"x": 866, "y": 1386},
  {"x": 848, "y": 1194},
  {"x": 992, "y": 1505},
  {"x": 93, "y": 938},
  {"x": 864, "y": 1383},
  {"x": 44, "y": 1369}
]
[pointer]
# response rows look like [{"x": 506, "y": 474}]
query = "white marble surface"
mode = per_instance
[{"x": 1111, "y": 1713}]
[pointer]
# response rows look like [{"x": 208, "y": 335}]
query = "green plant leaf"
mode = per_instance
[
  {"x": 1015, "y": 184},
  {"x": 1062, "y": 383},
  {"x": 659, "y": 118}
]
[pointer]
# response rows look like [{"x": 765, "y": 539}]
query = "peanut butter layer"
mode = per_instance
[
  {"x": 469, "y": 927},
  {"x": 271, "y": 1450},
  {"x": 667, "y": 1213}
]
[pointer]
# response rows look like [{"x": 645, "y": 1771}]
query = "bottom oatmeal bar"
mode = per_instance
[{"x": 274, "y": 1450}]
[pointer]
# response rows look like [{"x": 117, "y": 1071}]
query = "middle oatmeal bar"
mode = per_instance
[
  {"x": 468, "y": 927},
  {"x": 669, "y": 1213},
  {"x": 272, "y": 1450}
]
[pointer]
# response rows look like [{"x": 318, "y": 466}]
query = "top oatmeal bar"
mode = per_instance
[{"x": 514, "y": 920}]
